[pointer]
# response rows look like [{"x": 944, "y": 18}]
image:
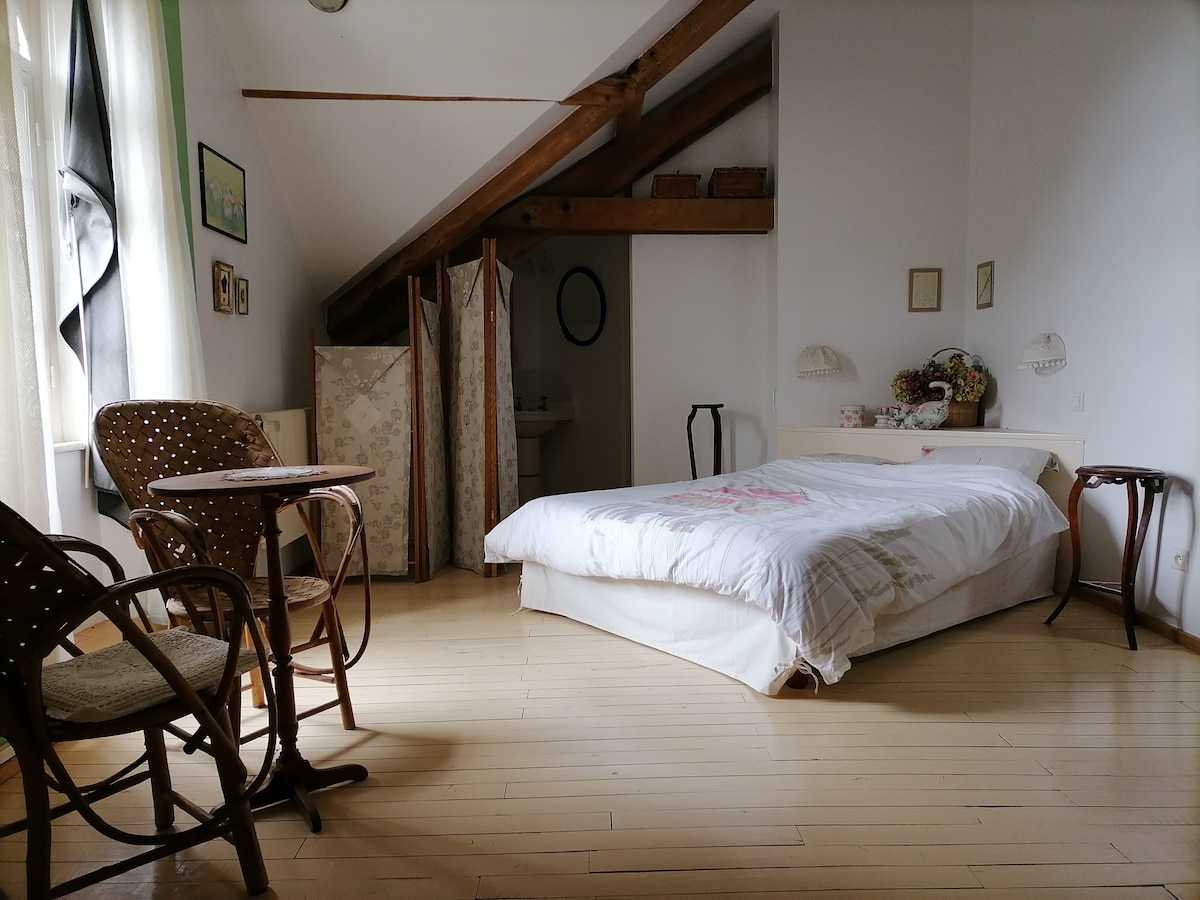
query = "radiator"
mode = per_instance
[{"x": 287, "y": 430}]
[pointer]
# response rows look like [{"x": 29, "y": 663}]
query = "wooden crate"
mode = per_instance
[
  {"x": 677, "y": 186},
  {"x": 737, "y": 181}
]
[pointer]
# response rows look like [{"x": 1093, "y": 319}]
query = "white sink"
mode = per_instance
[{"x": 534, "y": 423}]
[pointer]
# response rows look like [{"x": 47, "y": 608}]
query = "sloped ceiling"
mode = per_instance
[{"x": 362, "y": 178}]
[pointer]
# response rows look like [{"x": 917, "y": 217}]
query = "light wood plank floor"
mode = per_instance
[{"x": 516, "y": 754}]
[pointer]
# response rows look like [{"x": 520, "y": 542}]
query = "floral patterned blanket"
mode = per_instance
[{"x": 822, "y": 546}]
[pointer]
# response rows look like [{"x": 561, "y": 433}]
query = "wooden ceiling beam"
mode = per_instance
[
  {"x": 672, "y": 125},
  {"x": 639, "y": 215},
  {"x": 697, "y": 26}
]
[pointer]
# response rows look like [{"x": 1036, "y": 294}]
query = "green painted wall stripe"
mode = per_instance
[{"x": 172, "y": 35}]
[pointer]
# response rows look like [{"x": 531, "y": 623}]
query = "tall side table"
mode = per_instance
[
  {"x": 293, "y": 777},
  {"x": 1151, "y": 481}
]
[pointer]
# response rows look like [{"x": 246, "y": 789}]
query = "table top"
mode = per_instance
[
  {"x": 219, "y": 481},
  {"x": 1120, "y": 471}
]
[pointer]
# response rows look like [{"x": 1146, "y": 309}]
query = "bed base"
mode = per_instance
[{"x": 740, "y": 640}]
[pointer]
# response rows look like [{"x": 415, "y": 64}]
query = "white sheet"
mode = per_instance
[{"x": 820, "y": 546}]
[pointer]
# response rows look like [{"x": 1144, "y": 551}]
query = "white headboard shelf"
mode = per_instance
[{"x": 902, "y": 445}]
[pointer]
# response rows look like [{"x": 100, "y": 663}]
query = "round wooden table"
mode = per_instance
[
  {"x": 292, "y": 777},
  {"x": 1151, "y": 481}
]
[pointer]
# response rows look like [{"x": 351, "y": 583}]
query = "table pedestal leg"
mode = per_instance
[{"x": 292, "y": 777}]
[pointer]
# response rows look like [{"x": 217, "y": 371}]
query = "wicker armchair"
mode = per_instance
[
  {"x": 141, "y": 441},
  {"x": 153, "y": 682}
]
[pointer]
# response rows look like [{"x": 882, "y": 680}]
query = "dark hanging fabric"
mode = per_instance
[{"x": 95, "y": 326}]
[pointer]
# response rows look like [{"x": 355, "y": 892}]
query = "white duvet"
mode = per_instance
[{"x": 821, "y": 546}]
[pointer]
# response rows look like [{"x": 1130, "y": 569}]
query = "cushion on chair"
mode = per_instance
[
  {"x": 303, "y": 592},
  {"x": 117, "y": 681}
]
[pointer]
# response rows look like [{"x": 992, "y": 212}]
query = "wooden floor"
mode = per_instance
[{"x": 522, "y": 755}]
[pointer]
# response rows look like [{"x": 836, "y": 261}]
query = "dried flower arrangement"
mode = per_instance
[{"x": 966, "y": 373}]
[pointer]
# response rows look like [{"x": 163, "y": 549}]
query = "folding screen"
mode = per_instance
[
  {"x": 364, "y": 417},
  {"x": 483, "y": 431}
]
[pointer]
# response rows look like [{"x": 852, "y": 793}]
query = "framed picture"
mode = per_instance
[
  {"x": 223, "y": 287},
  {"x": 222, "y": 194},
  {"x": 924, "y": 290},
  {"x": 983, "y": 284},
  {"x": 242, "y": 296}
]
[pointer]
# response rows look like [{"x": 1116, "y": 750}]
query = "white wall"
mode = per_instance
[
  {"x": 259, "y": 361},
  {"x": 873, "y": 100},
  {"x": 1085, "y": 189},
  {"x": 700, "y": 313}
]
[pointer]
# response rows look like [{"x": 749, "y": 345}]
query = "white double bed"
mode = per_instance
[{"x": 794, "y": 566}]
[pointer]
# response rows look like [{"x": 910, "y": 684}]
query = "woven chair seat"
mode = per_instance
[
  {"x": 302, "y": 592},
  {"x": 119, "y": 681}
]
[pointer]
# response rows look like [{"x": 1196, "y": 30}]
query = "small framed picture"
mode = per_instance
[
  {"x": 242, "y": 296},
  {"x": 222, "y": 194},
  {"x": 984, "y": 273},
  {"x": 223, "y": 287},
  {"x": 924, "y": 290}
]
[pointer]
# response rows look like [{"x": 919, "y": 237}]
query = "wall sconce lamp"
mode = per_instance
[
  {"x": 1045, "y": 354},
  {"x": 817, "y": 359}
]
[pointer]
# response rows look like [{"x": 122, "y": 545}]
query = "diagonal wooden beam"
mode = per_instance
[
  {"x": 701, "y": 23},
  {"x": 672, "y": 125},
  {"x": 639, "y": 215}
]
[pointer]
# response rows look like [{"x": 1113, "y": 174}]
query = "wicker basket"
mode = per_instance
[{"x": 963, "y": 414}]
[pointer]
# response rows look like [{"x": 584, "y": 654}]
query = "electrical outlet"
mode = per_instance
[
  {"x": 1179, "y": 559},
  {"x": 1077, "y": 402}
]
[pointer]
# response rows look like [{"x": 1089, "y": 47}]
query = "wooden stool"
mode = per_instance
[{"x": 1151, "y": 482}]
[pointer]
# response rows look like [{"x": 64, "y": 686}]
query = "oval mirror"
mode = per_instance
[{"x": 581, "y": 306}]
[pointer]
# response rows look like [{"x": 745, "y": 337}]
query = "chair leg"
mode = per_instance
[
  {"x": 160, "y": 779},
  {"x": 258, "y": 696},
  {"x": 232, "y": 775},
  {"x": 37, "y": 819},
  {"x": 338, "y": 662}
]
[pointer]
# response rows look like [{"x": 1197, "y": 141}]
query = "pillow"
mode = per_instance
[
  {"x": 1029, "y": 461},
  {"x": 850, "y": 458}
]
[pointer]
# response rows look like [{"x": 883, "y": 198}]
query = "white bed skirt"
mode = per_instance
[{"x": 740, "y": 640}]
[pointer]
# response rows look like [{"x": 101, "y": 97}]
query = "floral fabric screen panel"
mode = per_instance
[
  {"x": 467, "y": 438},
  {"x": 364, "y": 418},
  {"x": 437, "y": 503}
]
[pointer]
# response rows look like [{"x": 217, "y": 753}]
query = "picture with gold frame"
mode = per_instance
[
  {"x": 924, "y": 290},
  {"x": 223, "y": 287}
]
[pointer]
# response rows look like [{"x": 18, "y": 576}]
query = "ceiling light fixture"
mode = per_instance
[{"x": 328, "y": 5}]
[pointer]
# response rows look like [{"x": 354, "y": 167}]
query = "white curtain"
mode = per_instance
[
  {"x": 161, "y": 320},
  {"x": 25, "y": 451}
]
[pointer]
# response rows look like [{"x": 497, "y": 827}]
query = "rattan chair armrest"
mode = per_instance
[
  {"x": 238, "y": 594},
  {"x": 70, "y": 543},
  {"x": 350, "y": 505}
]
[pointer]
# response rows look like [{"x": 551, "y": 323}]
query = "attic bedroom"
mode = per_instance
[{"x": 656, "y": 370}]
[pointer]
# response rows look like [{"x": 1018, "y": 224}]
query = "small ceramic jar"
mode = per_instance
[{"x": 852, "y": 416}]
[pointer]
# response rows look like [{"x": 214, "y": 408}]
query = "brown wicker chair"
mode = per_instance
[
  {"x": 153, "y": 682},
  {"x": 141, "y": 441}
]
